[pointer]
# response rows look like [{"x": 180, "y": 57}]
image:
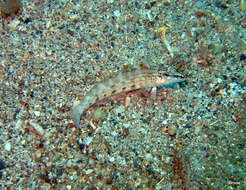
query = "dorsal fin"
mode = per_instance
[{"x": 128, "y": 68}]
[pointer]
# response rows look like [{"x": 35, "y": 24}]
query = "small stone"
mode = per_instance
[
  {"x": 127, "y": 101},
  {"x": 89, "y": 171},
  {"x": 2, "y": 165},
  {"x": 120, "y": 109},
  {"x": 168, "y": 160},
  {"x": 111, "y": 159},
  {"x": 7, "y": 146},
  {"x": 45, "y": 186},
  {"x": 164, "y": 122},
  {"x": 242, "y": 57},
  {"x": 18, "y": 124},
  {"x": 74, "y": 18},
  {"x": 37, "y": 127},
  {"x": 89, "y": 140},
  {"x": 26, "y": 57},
  {"x": 81, "y": 146},
  {"x": 37, "y": 113},
  {"x": 162, "y": 129},
  {"x": 187, "y": 125},
  {"x": 13, "y": 24},
  {"x": 38, "y": 153},
  {"x": 171, "y": 131},
  {"x": 149, "y": 156},
  {"x": 48, "y": 24},
  {"x": 108, "y": 181},
  {"x": 49, "y": 52}
]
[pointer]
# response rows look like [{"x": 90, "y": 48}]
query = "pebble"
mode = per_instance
[
  {"x": 171, "y": 131},
  {"x": 38, "y": 153},
  {"x": 164, "y": 122},
  {"x": 2, "y": 165},
  {"x": 89, "y": 140},
  {"x": 13, "y": 24},
  {"x": 111, "y": 159},
  {"x": 120, "y": 109},
  {"x": 149, "y": 156},
  {"x": 37, "y": 113},
  {"x": 18, "y": 124},
  {"x": 89, "y": 171},
  {"x": 7, "y": 146},
  {"x": 37, "y": 127}
]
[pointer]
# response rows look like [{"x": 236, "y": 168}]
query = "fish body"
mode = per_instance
[{"x": 123, "y": 82}]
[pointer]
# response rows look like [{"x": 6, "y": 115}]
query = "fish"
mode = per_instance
[{"x": 122, "y": 82}]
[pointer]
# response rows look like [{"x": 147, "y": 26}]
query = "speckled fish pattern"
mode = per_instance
[{"x": 123, "y": 82}]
